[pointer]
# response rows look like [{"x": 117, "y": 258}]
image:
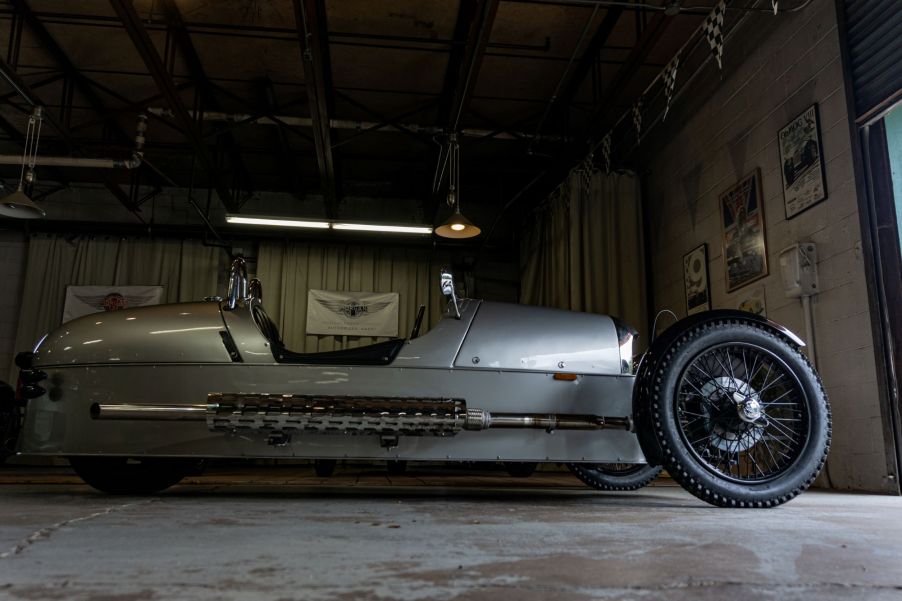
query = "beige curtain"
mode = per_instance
[
  {"x": 186, "y": 269},
  {"x": 288, "y": 270},
  {"x": 584, "y": 250}
]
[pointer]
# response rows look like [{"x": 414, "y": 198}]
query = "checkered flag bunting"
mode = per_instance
[
  {"x": 637, "y": 119},
  {"x": 713, "y": 31},
  {"x": 670, "y": 73},
  {"x": 606, "y": 152}
]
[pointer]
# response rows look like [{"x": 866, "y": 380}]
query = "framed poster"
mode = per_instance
[
  {"x": 742, "y": 220},
  {"x": 802, "y": 160},
  {"x": 754, "y": 302},
  {"x": 695, "y": 278}
]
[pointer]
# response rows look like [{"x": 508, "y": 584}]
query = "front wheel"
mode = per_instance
[
  {"x": 615, "y": 476},
  {"x": 740, "y": 415},
  {"x": 125, "y": 476}
]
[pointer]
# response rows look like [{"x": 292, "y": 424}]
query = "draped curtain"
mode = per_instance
[
  {"x": 288, "y": 270},
  {"x": 186, "y": 269},
  {"x": 584, "y": 250}
]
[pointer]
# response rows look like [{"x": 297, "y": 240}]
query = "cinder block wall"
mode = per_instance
[{"x": 765, "y": 84}]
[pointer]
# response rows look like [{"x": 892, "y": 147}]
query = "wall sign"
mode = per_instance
[
  {"x": 84, "y": 300},
  {"x": 695, "y": 278},
  {"x": 754, "y": 302},
  {"x": 742, "y": 219},
  {"x": 352, "y": 313},
  {"x": 802, "y": 158}
]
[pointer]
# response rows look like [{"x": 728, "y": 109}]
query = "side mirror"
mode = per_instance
[{"x": 448, "y": 291}]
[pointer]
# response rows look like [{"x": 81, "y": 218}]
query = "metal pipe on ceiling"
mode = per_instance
[
  {"x": 347, "y": 124},
  {"x": 130, "y": 163},
  {"x": 133, "y": 162}
]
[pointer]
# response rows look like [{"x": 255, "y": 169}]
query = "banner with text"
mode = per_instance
[
  {"x": 352, "y": 313},
  {"x": 84, "y": 300}
]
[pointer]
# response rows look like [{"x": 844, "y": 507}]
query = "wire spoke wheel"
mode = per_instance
[{"x": 742, "y": 412}]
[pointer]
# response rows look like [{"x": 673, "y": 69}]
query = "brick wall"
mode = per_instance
[{"x": 770, "y": 79}]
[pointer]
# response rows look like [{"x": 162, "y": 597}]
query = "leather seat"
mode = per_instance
[{"x": 381, "y": 353}]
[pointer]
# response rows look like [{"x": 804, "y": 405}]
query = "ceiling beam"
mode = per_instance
[
  {"x": 472, "y": 30},
  {"x": 61, "y": 58},
  {"x": 647, "y": 40},
  {"x": 154, "y": 64},
  {"x": 590, "y": 55},
  {"x": 292, "y": 170},
  {"x": 313, "y": 37},
  {"x": 176, "y": 24}
]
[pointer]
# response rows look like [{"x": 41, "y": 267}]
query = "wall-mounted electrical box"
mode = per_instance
[{"x": 798, "y": 266}]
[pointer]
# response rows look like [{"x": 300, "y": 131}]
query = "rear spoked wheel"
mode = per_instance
[
  {"x": 615, "y": 476},
  {"x": 741, "y": 416}
]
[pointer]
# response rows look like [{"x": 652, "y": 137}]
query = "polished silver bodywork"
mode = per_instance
[{"x": 500, "y": 358}]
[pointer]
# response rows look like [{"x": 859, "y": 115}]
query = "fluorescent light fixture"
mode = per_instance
[
  {"x": 325, "y": 225},
  {"x": 397, "y": 229},
  {"x": 322, "y": 225}
]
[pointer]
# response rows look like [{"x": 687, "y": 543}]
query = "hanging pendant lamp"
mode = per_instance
[
  {"x": 17, "y": 204},
  {"x": 457, "y": 226}
]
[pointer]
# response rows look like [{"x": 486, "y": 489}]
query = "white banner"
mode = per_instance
[
  {"x": 352, "y": 313},
  {"x": 84, "y": 300}
]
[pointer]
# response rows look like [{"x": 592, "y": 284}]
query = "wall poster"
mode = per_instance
[
  {"x": 352, "y": 313},
  {"x": 754, "y": 302},
  {"x": 695, "y": 278},
  {"x": 742, "y": 219},
  {"x": 802, "y": 158},
  {"x": 84, "y": 300}
]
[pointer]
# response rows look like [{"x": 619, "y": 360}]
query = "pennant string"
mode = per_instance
[
  {"x": 637, "y": 119},
  {"x": 713, "y": 31},
  {"x": 670, "y": 73},
  {"x": 606, "y": 152}
]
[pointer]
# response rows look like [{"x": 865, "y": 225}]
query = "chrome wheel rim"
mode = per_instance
[{"x": 742, "y": 413}]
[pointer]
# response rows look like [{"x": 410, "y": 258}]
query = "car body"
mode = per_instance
[{"x": 492, "y": 381}]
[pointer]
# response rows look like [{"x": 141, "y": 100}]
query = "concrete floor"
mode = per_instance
[{"x": 280, "y": 534}]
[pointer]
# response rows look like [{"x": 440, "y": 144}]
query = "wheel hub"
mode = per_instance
[{"x": 735, "y": 425}]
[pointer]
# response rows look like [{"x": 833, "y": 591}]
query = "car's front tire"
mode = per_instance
[{"x": 739, "y": 414}]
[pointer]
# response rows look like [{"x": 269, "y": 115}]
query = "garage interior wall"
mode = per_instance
[
  {"x": 766, "y": 82},
  {"x": 584, "y": 249}
]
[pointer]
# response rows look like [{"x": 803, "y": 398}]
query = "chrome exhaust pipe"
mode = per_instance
[
  {"x": 480, "y": 419},
  {"x": 165, "y": 413}
]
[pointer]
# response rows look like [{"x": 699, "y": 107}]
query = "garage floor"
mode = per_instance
[{"x": 283, "y": 534}]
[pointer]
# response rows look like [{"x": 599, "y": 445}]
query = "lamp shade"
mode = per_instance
[
  {"x": 19, "y": 206},
  {"x": 457, "y": 226}
]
